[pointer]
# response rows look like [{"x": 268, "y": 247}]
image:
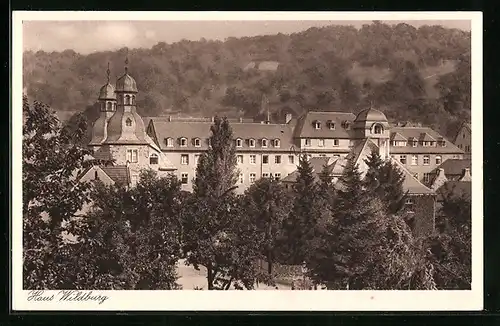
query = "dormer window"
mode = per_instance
[
  {"x": 169, "y": 142},
  {"x": 276, "y": 143},
  {"x": 239, "y": 142},
  {"x": 264, "y": 142},
  {"x": 183, "y": 142},
  {"x": 197, "y": 142},
  {"x": 331, "y": 125},
  {"x": 414, "y": 143},
  {"x": 128, "y": 122},
  {"x": 346, "y": 125},
  {"x": 317, "y": 125},
  {"x": 251, "y": 142},
  {"x": 153, "y": 159}
]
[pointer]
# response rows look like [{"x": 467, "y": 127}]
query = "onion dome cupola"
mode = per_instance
[
  {"x": 126, "y": 126},
  {"x": 107, "y": 107}
]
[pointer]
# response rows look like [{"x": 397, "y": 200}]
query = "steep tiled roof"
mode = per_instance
[
  {"x": 317, "y": 163},
  {"x": 454, "y": 189},
  {"x": 162, "y": 129},
  {"x": 411, "y": 184},
  {"x": 118, "y": 173},
  {"x": 305, "y": 128},
  {"x": 454, "y": 166},
  {"x": 421, "y": 134}
]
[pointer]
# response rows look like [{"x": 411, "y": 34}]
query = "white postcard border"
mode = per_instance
[{"x": 255, "y": 300}]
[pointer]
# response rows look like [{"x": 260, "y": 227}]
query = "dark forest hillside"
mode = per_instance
[{"x": 421, "y": 75}]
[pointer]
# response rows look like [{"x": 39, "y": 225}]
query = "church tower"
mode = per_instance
[{"x": 107, "y": 107}]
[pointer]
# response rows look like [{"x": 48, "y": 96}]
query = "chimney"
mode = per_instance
[
  {"x": 288, "y": 118},
  {"x": 439, "y": 180},
  {"x": 466, "y": 175}
]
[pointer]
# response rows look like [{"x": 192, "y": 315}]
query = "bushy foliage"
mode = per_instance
[{"x": 393, "y": 66}]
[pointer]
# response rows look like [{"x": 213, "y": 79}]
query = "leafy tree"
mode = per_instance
[
  {"x": 51, "y": 194},
  {"x": 451, "y": 245},
  {"x": 266, "y": 203}
]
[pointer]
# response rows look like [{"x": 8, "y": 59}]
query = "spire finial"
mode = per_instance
[
  {"x": 108, "y": 72},
  {"x": 126, "y": 62}
]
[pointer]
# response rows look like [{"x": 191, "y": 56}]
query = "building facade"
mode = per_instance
[
  {"x": 463, "y": 139},
  {"x": 263, "y": 149}
]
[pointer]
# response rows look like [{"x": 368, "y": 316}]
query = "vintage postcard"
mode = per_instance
[{"x": 247, "y": 161}]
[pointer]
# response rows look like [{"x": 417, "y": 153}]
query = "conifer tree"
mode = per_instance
[
  {"x": 385, "y": 180},
  {"x": 303, "y": 217}
]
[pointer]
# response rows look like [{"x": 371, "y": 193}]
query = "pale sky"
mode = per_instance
[{"x": 90, "y": 36}]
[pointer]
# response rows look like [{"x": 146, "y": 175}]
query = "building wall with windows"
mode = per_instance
[{"x": 463, "y": 139}]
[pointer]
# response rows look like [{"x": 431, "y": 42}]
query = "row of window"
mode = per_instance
[
  {"x": 414, "y": 143},
  {"x": 330, "y": 125},
  {"x": 252, "y": 177},
  {"x": 183, "y": 142},
  {"x": 414, "y": 159},
  {"x": 466, "y": 148},
  {"x": 321, "y": 142},
  {"x": 240, "y": 159}
]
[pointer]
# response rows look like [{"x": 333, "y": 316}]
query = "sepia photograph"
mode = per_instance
[{"x": 291, "y": 155}]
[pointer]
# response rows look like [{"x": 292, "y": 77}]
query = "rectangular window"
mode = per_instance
[
  {"x": 414, "y": 160},
  {"x": 239, "y": 159},
  {"x": 253, "y": 159},
  {"x": 265, "y": 175},
  {"x": 197, "y": 142},
  {"x": 132, "y": 155},
  {"x": 427, "y": 177},
  {"x": 277, "y": 176},
  {"x": 196, "y": 158},
  {"x": 321, "y": 142},
  {"x": 439, "y": 160},
  {"x": 291, "y": 159},
  {"x": 184, "y": 159},
  {"x": 427, "y": 159},
  {"x": 402, "y": 159},
  {"x": 241, "y": 178},
  {"x": 252, "y": 177},
  {"x": 184, "y": 178},
  {"x": 239, "y": 142},
  {"x": 277, "y": 159},
  {"x": 183, "y": 142},
  {"x": 335, "y": 142},
  {"x": 308, "y": 142},
  {"x": 170, "y": 142},
  {"x": 265, "y": 159}
]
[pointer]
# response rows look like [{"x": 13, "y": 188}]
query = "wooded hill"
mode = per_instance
[{"x": 412, "y": 74}]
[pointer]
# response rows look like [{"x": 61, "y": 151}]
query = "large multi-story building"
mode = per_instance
[{"x": 264, "y": 149}]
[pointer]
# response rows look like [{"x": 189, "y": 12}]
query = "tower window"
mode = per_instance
[
  {"x": 127, "y": 99},
  {"x": 153, "y": 159},
  {"x": 133, "y": 99},
  {"x": 128, "y": 122},
  {"x": 377, "y": 129},
  {"x": 110, "y": 106}
]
